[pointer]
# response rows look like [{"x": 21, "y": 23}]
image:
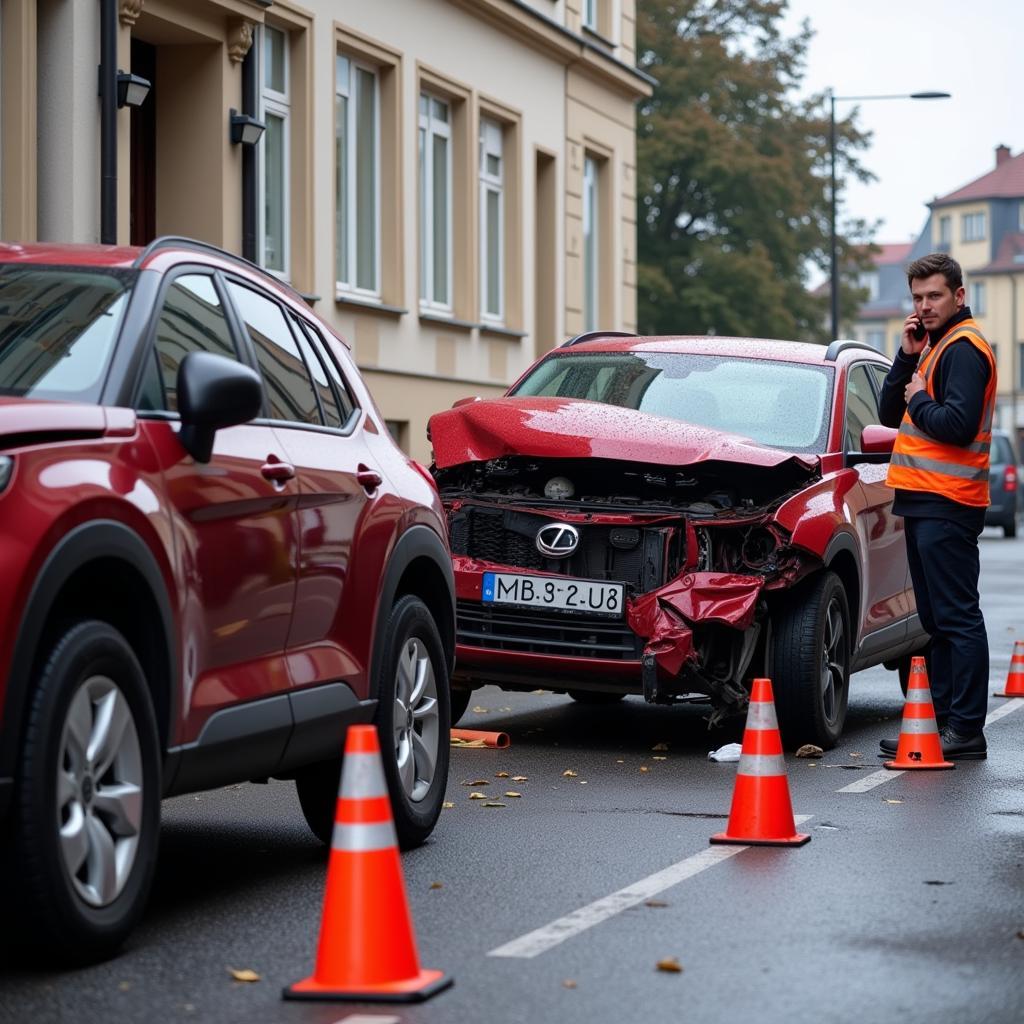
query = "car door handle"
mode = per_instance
[
  {"x": 369, "y": 479},
  {"x": 278, "y": 472}
]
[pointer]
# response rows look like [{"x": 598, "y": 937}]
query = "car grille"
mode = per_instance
[
  {"x": 545, "y": 632},
  {"x": 641, "y": 557}
]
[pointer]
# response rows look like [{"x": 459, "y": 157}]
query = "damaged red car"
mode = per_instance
[{"x": 671, "y": 517}]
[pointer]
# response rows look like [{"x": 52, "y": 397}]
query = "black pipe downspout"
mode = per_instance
[
  {"x": 250, "y": 75},
  {"x": 108, "y": 122}
]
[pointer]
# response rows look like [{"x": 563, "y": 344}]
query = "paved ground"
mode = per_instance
[{"x": 907, "y": 904}]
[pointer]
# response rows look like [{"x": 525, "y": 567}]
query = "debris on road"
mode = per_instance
[
  {"x": 568, "y": 983},
  {"x": 730, "y": 752},
  {"x": 660, "y": 746},
  {"x": 477, "y": 738},
  {"x": 477, "y": 796},
  {"x": 513, "y": 793},
  {"x": 447, "y": 805},
  {"x": 437, "y": 885},
  {"x": 501, "y": 775},
  {"x": 243, "y": 975},
  {"x": 494, "y": 803},
  {"x": 520, "y": 778},
  {"x": 477, "y": 782},
  {"x": 569, "y": 774},
  {"x": 809, "y": 750},
  {"x": 655, "y": 903},
  {"x": 670, "y": 965}
]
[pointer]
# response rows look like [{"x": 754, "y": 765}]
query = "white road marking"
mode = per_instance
[
  {"x": 551, "y": 935},
  {"x": 877, "y": 778},
  {"x": 368, "y": 1018}
]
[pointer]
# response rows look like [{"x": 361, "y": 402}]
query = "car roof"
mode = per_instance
[
  {"x": 716, "y": 345},
  {"x": 70, "y": 254}
]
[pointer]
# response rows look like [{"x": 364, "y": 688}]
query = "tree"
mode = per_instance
[{"x": 733, "y": 175}]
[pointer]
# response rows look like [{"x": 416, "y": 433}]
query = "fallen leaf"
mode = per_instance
[
  {"x": 619, "y": 760},
  {"x": 655, "y": 903},
  {"x": 660, "y": 746},
  {"x": 244, "y": 975},
  {"x": 493, "y": 803},
  {"x": 644, "y": 768},
  {"x": 1020, "y": 934},
  {"x": 513, "y": 793},
  {"x": 501, "y": 775},
  {"x": 810, "y": 750},
  {"x": 568, "y": 983},
  {"x": 670, "y": 965},
  {"x": 889, "y": 801},
  {"x": 477, "y": 782},
  {"x": 125, "y": 986},
  {"x": 477, "y": 796},
  {"x": 520, "y": 778},
  {"x": 447, "y": 805},
  {"x": 437, "y": 885},
  {"x": 455, "y": 741},
  {"x": 658, "y": 757},
  {"x": 856, "y": 754},
  {"x": 583, "y": 782},
  {"x": 480, "y": 711},
  {"x": 569, "y": 774}
]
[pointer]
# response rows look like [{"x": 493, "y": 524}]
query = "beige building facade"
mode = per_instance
[{"x": 451, "y": 182}]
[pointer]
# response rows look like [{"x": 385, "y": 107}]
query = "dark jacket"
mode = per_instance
[{"x": 959, "y": 382}]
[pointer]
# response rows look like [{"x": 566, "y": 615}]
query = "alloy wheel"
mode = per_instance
[
  {"x": 833, "y": 665},
  {"x": 416, "y": 719}
]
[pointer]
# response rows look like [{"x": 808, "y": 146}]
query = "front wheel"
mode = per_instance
[
  {"x": 810, "y": 662},
  {"x": 87, "y": 803},
  {"x": 414, "y": 718}
]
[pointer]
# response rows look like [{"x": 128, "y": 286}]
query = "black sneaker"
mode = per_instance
[{"x": 963, "y": 748}]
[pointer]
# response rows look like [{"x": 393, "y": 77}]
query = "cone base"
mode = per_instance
[
  {"x": 916, "y": 765},
  {"x": 410, "y": 990},
  {"x": 1008, "y": 694},
  {"x": 723, "y": 838}
]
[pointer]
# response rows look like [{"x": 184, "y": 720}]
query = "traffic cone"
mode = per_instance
[
  {"x": 1015, "y": 677},
  {"x": 920, "y": 745},
  {"x": 367, "y": 949},
  {"x": 761, "y": 814}
]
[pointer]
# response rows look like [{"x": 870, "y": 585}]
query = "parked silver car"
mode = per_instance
[{"x": 1003, "y": 485}]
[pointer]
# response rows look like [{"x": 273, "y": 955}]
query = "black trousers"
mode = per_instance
[{"x": 945, "y": 567}]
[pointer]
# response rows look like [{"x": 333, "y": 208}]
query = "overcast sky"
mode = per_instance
[{"x": 920, "y": 148}]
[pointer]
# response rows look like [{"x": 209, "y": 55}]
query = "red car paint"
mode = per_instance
[{"x": 837, "y": 516}]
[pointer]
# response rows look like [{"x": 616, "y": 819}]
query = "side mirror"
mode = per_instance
[
  {"x": 214, "y": 392},
  {"x": 878, "y": 440},
  {"x": 465, "y": 401}
]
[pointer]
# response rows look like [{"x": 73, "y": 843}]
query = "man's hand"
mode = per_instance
[
  {"x": 912, "y": 346},
  {"x": 914, "y": 385}
]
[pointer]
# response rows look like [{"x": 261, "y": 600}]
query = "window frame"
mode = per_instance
[
  {"x": 351, "y": 286},
  {"x": 425, "y": 135},
  {"x": 278, "y": 105},
  {"x": 869, "y": 376},
  {"x": 978, "y": 298},
  {"x": 492, "y": 184},
  {"x": 970, "y": 222},
  {"x": 591, "y": 269},
  {"x": 322, "y": 350},
  {"x": 945, "y": 229}
]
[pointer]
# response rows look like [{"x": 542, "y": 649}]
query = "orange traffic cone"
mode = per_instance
[
  {"x": 920, "y": 745},
  {"x": 367, "y": 949},
  {"x": 761, "y": 814},
  {"x": 1015, "y": 677}
]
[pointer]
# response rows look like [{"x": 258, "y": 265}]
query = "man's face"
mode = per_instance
[{"x": 934, "y": 301}]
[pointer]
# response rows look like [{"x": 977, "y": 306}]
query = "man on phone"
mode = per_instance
[{"x": 941, "y": 393}]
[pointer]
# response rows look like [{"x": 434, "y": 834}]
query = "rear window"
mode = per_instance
[
  {"x": 777, "y": 404},
  {"x": 58, "y": 326},
  {"x": 1002, "y": 453}
]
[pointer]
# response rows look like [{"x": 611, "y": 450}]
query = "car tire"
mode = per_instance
[
  {"x": 87, "y": 799},
  {"x": 1010, "y": 528},
  {"x": 414, "y": 718},
  {"x": 460, "y": 699},
  {"x": 317, "y": 789},
  {"x": 595, "y": 697},
  {"x": 810, "y": 662}
]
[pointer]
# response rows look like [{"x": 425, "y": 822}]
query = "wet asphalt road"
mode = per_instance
[{"x": 908, "y": 903}]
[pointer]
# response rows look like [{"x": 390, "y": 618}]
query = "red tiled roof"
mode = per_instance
[
  {"x": 1009, "y": 257},
  {"x": 1005, "y": 182},
  {"x": 892, "y": 252}
]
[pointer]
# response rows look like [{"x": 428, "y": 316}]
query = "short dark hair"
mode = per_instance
[{"x": 936, "y": 263}]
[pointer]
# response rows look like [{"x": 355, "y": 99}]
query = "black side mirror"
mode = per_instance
[{"x": 214, "y": 392}]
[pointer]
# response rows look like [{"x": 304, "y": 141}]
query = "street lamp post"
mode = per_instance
[{"x": 833, "y": 99}]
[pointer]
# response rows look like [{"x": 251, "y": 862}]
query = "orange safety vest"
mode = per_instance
[{"x": 958, "y": 472}]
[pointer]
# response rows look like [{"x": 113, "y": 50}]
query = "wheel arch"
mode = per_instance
[
  {"x": 101, "y": 570},
  {"x": 842, "y": 558}
]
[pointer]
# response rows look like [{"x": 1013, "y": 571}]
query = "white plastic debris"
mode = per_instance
[{"x": 730, "y": 752}]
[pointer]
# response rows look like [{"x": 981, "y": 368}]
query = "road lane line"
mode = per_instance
[
  {"x": 877, "y": 778},
  {"x": 542, "y": 939}
]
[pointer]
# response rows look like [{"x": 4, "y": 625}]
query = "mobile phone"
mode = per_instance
[{"x": 920, "y": 331}]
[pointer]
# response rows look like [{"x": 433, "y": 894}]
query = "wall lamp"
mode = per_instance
[
  {"x": 132, "y": 90},
  {"x": 245, "y": 129}
]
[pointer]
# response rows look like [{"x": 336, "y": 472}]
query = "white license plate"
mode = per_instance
[{"x": 553, "y": 592}]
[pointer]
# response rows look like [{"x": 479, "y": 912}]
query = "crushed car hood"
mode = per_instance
[{"x": 574, "y": 428}]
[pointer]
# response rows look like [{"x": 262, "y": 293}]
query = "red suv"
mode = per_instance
[
  {"x": 674, "y": 516},
  {"x": 214, "y": 559}
]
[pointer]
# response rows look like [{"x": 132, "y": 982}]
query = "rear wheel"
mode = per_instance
[
  {"x": 810, "y": 660},
  {"x": 87, "y": 802},
  {"x": 1010, "y": 528}
]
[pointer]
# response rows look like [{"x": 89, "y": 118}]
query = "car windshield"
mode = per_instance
[
  {"x": 57, "y": 329},
  {"x": 778, "y": 404}
]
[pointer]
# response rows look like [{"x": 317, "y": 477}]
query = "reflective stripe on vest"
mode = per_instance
[{"x": 921, "y": 463}]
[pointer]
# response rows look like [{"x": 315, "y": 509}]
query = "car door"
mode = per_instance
[
  {"x": 234, "y": 519},
  {"x": 881, "y": 533},
  {"x": 314, "y": 417}
]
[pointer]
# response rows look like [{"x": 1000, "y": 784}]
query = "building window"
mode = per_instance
[
  {"x": 973, "y": 227},
  {"x": 1020, "y": 365},
  {"x": 399, "y": 431},
  {"x": 876, "y": 339},
  {"x": 492, "y": 222},
  {"x": 274, "y": 225},
  {"x": 357, "y": 177},
  {"x": 977, "y": 302},
  {"x": 591, "y": 243},
  {"x": 1020, "y": 216},
  {"x": 869, "y": 282},
  {"x": 435, "y": 174},
  {"x": 590, "y": 12},
  {"x": 945, "y": 230}
]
